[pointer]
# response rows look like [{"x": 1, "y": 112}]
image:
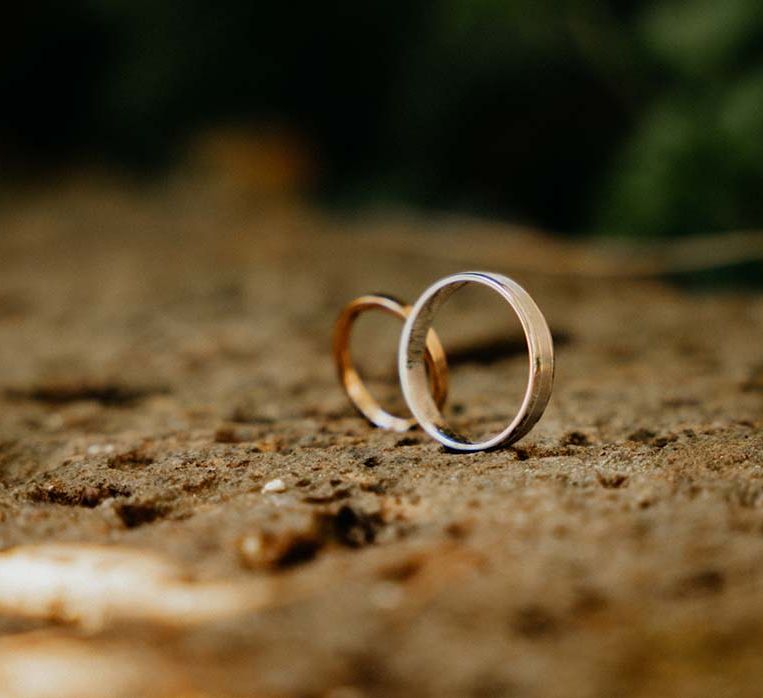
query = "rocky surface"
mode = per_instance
[{"x": 166, "y": 390}]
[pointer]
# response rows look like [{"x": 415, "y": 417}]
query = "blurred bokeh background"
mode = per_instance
[{"x": 635, "y": 118}]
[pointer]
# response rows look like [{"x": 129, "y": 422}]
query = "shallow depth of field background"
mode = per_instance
[
  {"x": 634, "y": 118},
  {"x": 190, "y": 191}
]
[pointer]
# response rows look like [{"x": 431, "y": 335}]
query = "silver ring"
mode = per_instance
[{"x": 412, "y": 367}]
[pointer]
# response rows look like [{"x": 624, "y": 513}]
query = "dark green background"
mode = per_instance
[{"x": 626, "y": 118}]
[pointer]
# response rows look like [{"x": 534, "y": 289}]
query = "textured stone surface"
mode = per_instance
[{"x": 165, "y": 356}]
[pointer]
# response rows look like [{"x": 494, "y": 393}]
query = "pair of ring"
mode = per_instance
[{"x": 422, "y": 364}]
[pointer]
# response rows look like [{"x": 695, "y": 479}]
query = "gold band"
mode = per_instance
[{"x": 361, "y": 398}]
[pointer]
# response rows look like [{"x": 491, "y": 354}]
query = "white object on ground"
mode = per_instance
[{"x": 277, "y": 485}]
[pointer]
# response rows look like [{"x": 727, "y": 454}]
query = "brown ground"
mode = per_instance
[{"x": 164, "y": 356}]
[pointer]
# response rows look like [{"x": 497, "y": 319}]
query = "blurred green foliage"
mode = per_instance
[
  {"x": 692, "y": 161},
  {"x": 627, "y": 118}
]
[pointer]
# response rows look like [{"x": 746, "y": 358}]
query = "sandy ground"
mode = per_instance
[{"x": 164, "y": 356}]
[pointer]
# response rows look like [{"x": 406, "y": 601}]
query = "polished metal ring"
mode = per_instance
[
  {"x": 412, "y": 367},
  {"x": 435, "y": 366}
]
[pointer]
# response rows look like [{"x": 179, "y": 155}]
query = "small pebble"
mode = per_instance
[{"x": 277, "y": 485}]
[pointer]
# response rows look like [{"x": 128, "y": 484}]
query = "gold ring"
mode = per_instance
[{"x": 361, "y": 398}]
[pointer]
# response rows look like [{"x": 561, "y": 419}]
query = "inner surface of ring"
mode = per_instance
[{"x": 499, "y": 308}]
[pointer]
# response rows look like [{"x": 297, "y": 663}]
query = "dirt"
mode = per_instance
[{"x": 165, "y": 355}]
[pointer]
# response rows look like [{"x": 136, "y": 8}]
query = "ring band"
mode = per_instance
[
  {"x": 434, "y": 363},
  {"x": 411, "y": 362}
]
